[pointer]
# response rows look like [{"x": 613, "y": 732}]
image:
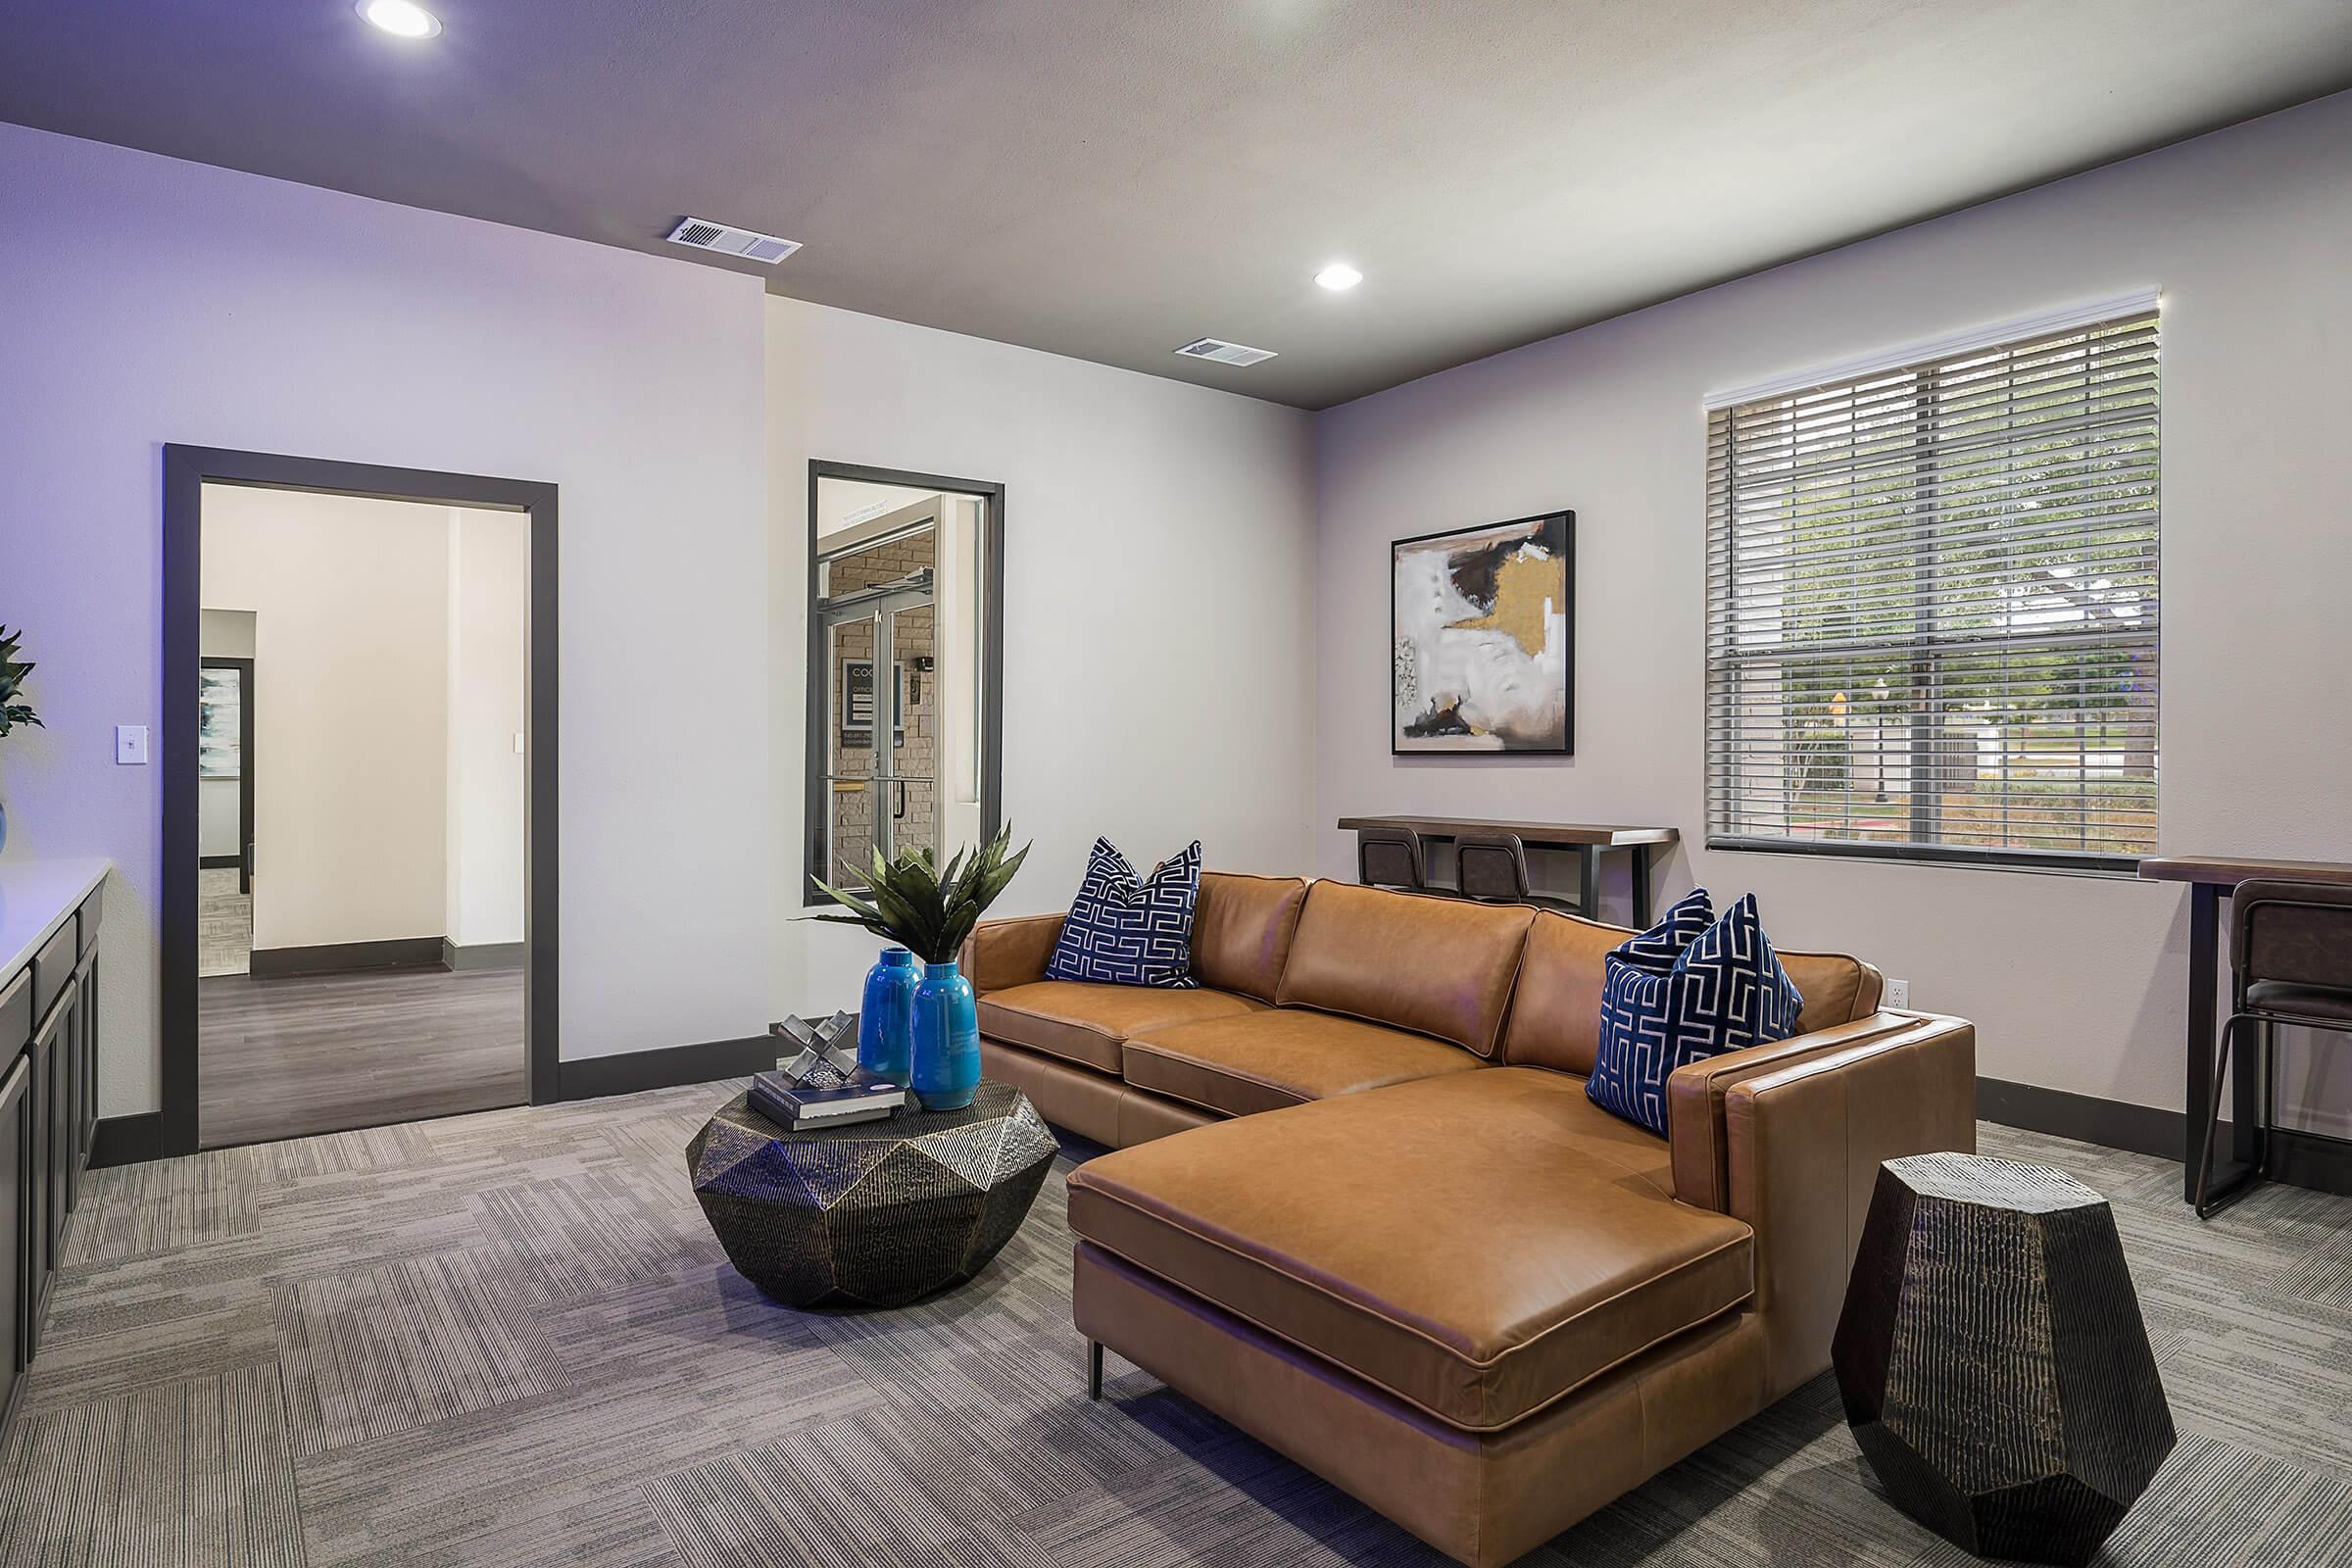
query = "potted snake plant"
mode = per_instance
[
  {"x": 13, "y": 712},
  {"x": 910, "y": 900}
]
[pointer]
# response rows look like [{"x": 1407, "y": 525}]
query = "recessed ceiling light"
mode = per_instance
[
  {"x": 402, "y": 19},
  {"x": 1339, "y": 276}
]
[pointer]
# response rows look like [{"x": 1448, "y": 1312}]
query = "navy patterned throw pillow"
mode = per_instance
[
  {"x": 1126, "y": 930},
  {"x": 1688, "y": 989}
]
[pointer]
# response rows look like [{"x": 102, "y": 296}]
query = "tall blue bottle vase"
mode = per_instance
[
  {"x": 947, "y": 1040},
  {"x": 886, "y": 1016}
]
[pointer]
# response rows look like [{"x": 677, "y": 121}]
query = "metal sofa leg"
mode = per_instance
[{"x": 1094, "y": 1369}]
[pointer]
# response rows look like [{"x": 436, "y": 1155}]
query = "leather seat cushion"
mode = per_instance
[
  {"x": 1086, "y": 1023},
  {"x": 1479, "y": 1245},
  {"x": 1285, "y": 1056},
  {"x": 2306, "y": 1001}
]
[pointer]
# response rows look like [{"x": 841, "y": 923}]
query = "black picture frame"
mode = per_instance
[{"x": 1566, "y": 519}]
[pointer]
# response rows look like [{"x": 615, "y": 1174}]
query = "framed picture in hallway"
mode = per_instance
[
  {"x": 1483, "y": 638},
  {"x": 219, "y": 721}
]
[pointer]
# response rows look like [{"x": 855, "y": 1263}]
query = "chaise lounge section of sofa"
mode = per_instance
[{"x": 1360, "y": 1206}]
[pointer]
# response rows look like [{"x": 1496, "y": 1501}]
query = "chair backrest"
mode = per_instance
[
  {"x": 1389, "y": 858},
  {"x": 2298, "y": 932},
  {"x": 1490, "y": 867}
]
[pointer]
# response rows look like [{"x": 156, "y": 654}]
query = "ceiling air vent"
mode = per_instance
[
  {"x": 1221, "y": 352},
  {"x": 703, "y": 235}
]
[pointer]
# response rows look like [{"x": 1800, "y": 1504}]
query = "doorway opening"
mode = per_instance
[
  {"x": 358, "y": 795},
  {"x": 905, "y": 663}
]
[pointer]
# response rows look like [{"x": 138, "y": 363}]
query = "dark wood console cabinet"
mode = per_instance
[{"x": 48, "y": 1087}]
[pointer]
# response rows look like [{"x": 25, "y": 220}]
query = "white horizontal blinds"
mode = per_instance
[{"x": 1932, "y": 603}]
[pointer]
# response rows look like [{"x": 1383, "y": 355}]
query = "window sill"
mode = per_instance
[{"x": 2111, "y": 867}]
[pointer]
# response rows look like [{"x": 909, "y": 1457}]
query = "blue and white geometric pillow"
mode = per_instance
[
  {"x": 1722, "y": 989},
  {"x": 1654, "y": 950},
  {"x": 1125, "y": 930}
]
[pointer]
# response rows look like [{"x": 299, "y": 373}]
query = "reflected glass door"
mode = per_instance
[{"x": 879, "y": 775}]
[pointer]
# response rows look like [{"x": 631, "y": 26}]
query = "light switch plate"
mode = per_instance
[
  {"x": 1899, "y": 992},
  {"x": 130, "y": 745}
]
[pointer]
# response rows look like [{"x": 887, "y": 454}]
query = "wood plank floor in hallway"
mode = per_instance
[{"x": 313, "y": 1054}]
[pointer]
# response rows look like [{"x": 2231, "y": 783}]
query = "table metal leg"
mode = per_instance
[
  {"x": 2249, "y": 1063},
  {"x": 1641, "y": 906},
  {"x": 1587, "y": 895}
]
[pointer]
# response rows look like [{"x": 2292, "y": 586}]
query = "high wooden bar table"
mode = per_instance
[
  {"x": 2211, "y": 878},
  {"x": 1590, "y": 841}
]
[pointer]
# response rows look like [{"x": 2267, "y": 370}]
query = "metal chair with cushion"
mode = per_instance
[
  {"x": 2291, "y": 962},
  {"x": 1492, "y": 867},
  {"x": 1393, "y": 857}
]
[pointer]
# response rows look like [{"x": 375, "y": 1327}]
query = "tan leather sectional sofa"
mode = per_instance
[{"x": 1394, "y": 1241}]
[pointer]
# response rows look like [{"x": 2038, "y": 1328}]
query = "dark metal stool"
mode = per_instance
[
  {"x": 1491, "y": 868},
  {"x": 2291, "y": 962},
  {"x": 1393, "y": 857}
]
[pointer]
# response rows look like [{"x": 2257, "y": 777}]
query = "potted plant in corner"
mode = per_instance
[
  {"x": 928, "y": 911},
  {"x": 12, "y": 671}
]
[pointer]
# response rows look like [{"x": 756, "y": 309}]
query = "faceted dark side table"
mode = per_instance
[
  {"x": 878, "y": 1214},
  {"x": 1994, "y": 1366}
]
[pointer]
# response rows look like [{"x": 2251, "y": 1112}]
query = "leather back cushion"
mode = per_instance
[
  {"x": 1555, "y": 1011},
  {"x": 1242, "y": 929},
  {"x": 1437, "y": 967}
]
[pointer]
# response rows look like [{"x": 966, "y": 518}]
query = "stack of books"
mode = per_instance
[{"x": 799, "y": 1108}]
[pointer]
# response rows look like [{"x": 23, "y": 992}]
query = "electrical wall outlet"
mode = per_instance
[{"x": 1899, "y": 992}]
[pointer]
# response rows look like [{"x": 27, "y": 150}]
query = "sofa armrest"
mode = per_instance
[
  {"x": 1695, "y": 1094},
  {"x": 1803, "y": 1143},
  {"x": 1010, "y": 952}
]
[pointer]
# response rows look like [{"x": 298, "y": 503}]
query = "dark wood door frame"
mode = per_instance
[
  {"x": 243, "y": 859},
  {"x": 187, "y": 470}
]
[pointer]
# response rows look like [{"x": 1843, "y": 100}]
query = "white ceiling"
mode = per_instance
[{"x": 1110, "y": 178}]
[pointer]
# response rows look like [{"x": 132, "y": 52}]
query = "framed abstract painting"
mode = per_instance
[{"x": 1483, "y": 638}]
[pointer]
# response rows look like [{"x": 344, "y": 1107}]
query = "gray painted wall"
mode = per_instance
[{"x": 2075, "y": 982}]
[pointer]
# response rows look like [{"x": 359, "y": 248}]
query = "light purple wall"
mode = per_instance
[
  {"x": 145, "y": 300},
  {"x": 2075, "y": 982}
]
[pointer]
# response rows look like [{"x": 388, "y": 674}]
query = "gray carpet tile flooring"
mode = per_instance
[{"x": 508, "y": 1340}]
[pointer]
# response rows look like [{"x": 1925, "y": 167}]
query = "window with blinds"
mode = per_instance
[{"x": 1931, "y": 606}]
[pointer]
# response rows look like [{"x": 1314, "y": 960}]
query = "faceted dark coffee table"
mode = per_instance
[
  {"x": 878, "y": 1214},
  {"x": 1994, "y": 1366}
]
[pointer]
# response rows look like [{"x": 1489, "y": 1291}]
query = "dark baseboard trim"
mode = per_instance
[
  {"x": 483, "y": 956},
  {"x": 2086, "y": 1118},
  {"x": 222, "y": 862},
  {"x": 2297, "y": 1158},
  {"x": 595, "y": 1077},
  {"x": 127, "y": 1140},
  {"x": 342, "y": 957},
  {"x": 2310, "y": 1159}
]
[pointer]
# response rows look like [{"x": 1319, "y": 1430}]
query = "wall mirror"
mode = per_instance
[{"x": 906, "y": 663}]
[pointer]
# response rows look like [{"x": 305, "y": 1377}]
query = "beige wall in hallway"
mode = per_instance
[
  {"x": 2075, "y": 982},
  {"x": 350, "y": 599}
]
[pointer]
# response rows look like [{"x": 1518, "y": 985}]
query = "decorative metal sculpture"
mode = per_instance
[
  {"x": 826, "y": 1053},
  {"x": 1994, "y": 1366}
]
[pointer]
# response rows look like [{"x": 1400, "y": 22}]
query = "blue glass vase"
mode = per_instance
[
  {"x": 947, "y": 1040},
  {"x": 886, "y": 1016}
]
